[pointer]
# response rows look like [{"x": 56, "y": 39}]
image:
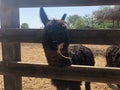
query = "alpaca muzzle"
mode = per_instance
[{"x": 59, "y": 47}]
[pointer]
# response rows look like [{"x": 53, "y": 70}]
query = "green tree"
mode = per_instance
[
  {"x": 107, "y": 17},
  {"x": 90, "y": 21},
  {"x": 25, "y": 26},
  {"x": 71, "y": 20},
  {"x": 78, "y": 22}
]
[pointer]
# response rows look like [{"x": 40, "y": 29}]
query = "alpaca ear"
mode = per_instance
[
  {"x": 43, "y": 16},
  {"x": 63, "y": 17}
]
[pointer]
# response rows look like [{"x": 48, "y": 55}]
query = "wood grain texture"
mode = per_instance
[
  {"x": 84, "y": 73},
  {"x": 53, "y": 3},
  {"x": 76, "y": 36}
]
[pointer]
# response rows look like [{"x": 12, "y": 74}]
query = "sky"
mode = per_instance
[{"x": 31, "y": 15}]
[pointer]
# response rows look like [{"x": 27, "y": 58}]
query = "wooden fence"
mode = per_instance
[{"x": 11, "y": 37}]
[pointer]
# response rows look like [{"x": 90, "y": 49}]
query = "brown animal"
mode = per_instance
[
  {"x": 113, "y": 57},
  {"x": 60, "y": 54}
]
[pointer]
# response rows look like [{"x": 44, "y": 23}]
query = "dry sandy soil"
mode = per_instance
[{"x": 35, "y": 53}]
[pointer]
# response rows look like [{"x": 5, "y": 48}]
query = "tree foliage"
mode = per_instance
[
  {"x": 71, "y": 20},
  {"x": 25, "y": 26},
  {"x": 77, "y": 22},
  {"x": 109, "y": 15},
  {"x": 103, "y": 18}
]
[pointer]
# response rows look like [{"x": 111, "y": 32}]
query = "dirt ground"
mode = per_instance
[{"x": 35, "y": 53}]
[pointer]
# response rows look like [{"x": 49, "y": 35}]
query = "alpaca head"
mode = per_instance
[
  {"x": 55, "y": 31},
  {"x": 55, "y": 40}
]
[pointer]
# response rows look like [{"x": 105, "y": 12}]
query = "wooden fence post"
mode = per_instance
[{"x": 10, "y": 50}]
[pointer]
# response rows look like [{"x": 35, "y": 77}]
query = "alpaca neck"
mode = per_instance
[{"x": 54, "y": 58}]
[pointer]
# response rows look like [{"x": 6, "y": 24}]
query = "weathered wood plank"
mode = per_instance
[
  {"x": 86, "y": 73},
  {"x": 21, "y": 35},
  {"x": 10, "y": 51},
  {"x": 51, "y": 3},
  {"x": 76, "y": 36},
  {"x": 95, "y": 36}
]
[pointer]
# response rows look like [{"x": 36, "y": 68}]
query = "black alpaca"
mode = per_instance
[
  {"x": 59, "y": 53},
  {"x": 113, "y": 57}
]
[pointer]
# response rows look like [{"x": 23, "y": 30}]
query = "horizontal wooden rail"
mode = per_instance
[
  {"x": 49, "y": 3},
  {"x": 76, "y": 36},
  {"x": 74, "y": 73}
]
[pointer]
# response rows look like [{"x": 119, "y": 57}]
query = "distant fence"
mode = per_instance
[{"x": 11, "y": 37}]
